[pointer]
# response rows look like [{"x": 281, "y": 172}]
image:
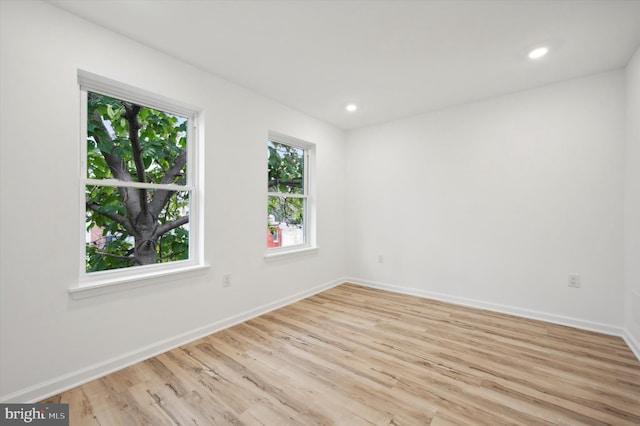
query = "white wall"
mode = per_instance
[
  {"x": 49, "y": 341},
  {"x": 632, "y": 206},
  {"x": 494, "y": 203}
]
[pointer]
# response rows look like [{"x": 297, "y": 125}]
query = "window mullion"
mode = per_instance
[
  {"x": 132, "y": 184},
  {"x": 286, "y": 195}
]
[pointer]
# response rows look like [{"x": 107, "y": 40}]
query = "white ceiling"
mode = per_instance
[{"x": 392, "y": 58}]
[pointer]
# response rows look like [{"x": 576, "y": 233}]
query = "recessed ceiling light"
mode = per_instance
[
  {"x": 352, "y": 107},
  {"x": 538, "y": 52}
]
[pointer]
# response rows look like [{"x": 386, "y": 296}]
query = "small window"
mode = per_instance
[
  {"x": 138, "y": 180},
  {"x": 288, "y": 195}
]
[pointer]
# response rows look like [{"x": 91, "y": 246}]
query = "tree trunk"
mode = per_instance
[
  {"x": 145, "y": 252},
  {"x": 146, "y": 240}
]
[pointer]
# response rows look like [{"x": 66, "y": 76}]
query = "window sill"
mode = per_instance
[
  {"x": 112, "y": 285},
  {"x": 289, "y": 253}
]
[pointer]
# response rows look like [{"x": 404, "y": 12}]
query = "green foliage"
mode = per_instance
[
  {"x": 174, "y": 245},
  {"x": 286, "y": 168},
  {"x": 112, "y": 255},
  {"x": 162, "y": 138},
  {"x": 286, "y": 176},
  {"x": 289, "y": 210}
]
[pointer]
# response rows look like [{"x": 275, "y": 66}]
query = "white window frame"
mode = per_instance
[
  {"x": 310, "y": 235},
  {"x": 96, "y": 283}
]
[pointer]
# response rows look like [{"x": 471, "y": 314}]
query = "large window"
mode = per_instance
[
  {"x": 289, "y": 222},
  {"x": 138, "y": 180}
]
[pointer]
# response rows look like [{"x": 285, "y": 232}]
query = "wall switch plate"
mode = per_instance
[
  {"x": 574, "y": 280},
  {"x": 380, "y": 258}
]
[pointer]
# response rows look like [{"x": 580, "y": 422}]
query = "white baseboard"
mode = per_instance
[
  {"x": 79, "y": 377},
  {"x": 511, "y": 310},
  {"x": 633, "y": 344}
]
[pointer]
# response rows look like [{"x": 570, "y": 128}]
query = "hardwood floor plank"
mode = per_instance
[{"x": 360, "y": 356}]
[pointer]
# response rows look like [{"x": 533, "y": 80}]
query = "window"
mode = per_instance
[
  {"x": 289, "y": 202},
  {"x": 138, "y": 181}
]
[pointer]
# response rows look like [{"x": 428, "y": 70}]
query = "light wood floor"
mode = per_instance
[{"x": 359, "y": 356}]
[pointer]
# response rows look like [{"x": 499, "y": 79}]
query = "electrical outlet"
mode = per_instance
[
  {"x": 574, "y": 280},
  {"x": 380, "y": 259},
  {"x": 226, "y": 280}
]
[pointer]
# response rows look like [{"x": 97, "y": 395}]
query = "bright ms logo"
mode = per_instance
[
  {"x": 25, "y": 415},
  {"x": 36, "y": 414}
]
